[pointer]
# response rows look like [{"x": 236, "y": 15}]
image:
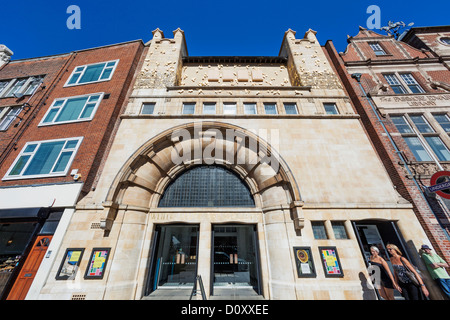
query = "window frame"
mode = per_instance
[
  {"x": 399, "y": 84},
  {"x": 413, "y": 81},
  {"x": 5, "y": 92},
  {"x": 290, "y": 103},
  {"x": 188, "y": 103},
  {"x": 330, "y": 104},
  {"x": 147, "y": 103},
  {"x": 252, "y": 104},
  {"x": 440, "y": 123},
  {"x": 209, "y": 104},
  {"x": 274, "y": 104},
  {"x": 85, "y": 66},
  {"x": 66, "y": 99},
  {"x": 7, "y": 114},
  {"x": 379, "y": 49},
  {"x": 234, "y": 104},
  {"x": 32, "y": 154}
]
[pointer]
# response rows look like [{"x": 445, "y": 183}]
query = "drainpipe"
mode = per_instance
[{"x": 357, "y": 77}]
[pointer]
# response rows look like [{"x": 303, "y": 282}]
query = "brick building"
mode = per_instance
[
  {"x": 58, "y": 117},
  {"x": 401, "y": 90}
]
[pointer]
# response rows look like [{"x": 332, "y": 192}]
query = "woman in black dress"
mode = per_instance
[{"x": 387, "y": 281}]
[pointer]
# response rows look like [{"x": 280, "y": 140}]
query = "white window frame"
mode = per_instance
[
  {"x": 376, "y": 47},
  {"x": 23, "y": 89},
  {"x": 10, "y": 114},
  {"x": 33, "y": 153},
  {"x": 409, "y": 80},
  {"x": 65, "y": 100},
  {"x": 77, "y": 83}
]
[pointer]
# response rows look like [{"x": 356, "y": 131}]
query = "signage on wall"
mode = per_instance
[{"x": 440, "y": 183}]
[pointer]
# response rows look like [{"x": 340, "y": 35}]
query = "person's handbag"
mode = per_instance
[{"x": 411, "y": 275}]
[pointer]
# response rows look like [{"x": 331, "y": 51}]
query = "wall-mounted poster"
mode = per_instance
[
  {"x": 304, "y": 262},
  {"x": 330, "y": 262},
  {"x": 97, "y": 263},
  {"x": 70, "y": 263}
]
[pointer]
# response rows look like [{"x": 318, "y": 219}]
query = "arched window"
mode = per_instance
[{"x": 207, "y": 186}]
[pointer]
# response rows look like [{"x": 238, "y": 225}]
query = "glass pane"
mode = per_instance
[
  {"x": 250, "y": 108},
  {"x": 319, "y": 230},
  {"x": 92, "y": 73},
  {"x": 401, "y": 124},
  {"x": 62, "y": 161},
  {"x": 417, "y": 149},
  {"x": 234, "y": 256},
  {"x": 207, "y": 186},
  {"x": 330, "y": 108},
  {"x": 111, "y": 64},
  {"x": 74, "y": 78},
  {"x": 443, "y": 121},
  {"x": 51, "y": 115},
  {"x": 270, "y": 108},
  {"x": 86, "y": 114},
  {"x": 71, "y": 144},
  {"x": 290, "y": 108},
  {"x": 148, "y": 108},
  {"x": 72, "y": 109},
  {"x": 229, "y": 108},
  {"x": 188, "y": 108},
  {"x": 209, "y": 108},
  {"x": 30, "y": 148},
  {"x": 44, "y": 158},
  {"x": 438, "y": 148},
  {"x": 175, "y": 256},
  {"x": 339, "y": 230},
  {"x": 20, "y": 164},
  {"x": 421, "y": 124},
  {"x": 106, "y": 74}
]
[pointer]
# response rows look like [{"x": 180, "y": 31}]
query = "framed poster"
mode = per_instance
[
  {"x": 304, "y": 262},
  {"x": 330, "y": 262},
  {"x": 97, "y": 263},
  {"x": 70, "y": 264}
]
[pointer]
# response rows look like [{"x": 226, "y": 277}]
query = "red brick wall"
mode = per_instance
[
  {"x": 97, "y": 133},
  {"x": 404, "y": 184}
]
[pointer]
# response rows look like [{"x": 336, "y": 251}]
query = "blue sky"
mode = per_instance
[{"x": 232, "y": 27}]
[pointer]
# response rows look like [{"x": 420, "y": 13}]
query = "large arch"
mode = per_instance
[{"x": 145, "y": 175}]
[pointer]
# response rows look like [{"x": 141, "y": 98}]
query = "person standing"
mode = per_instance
[
  {"x": 387, "y": 281},
  {"x": 401, "y": 265},
  {"x": 436, "y": 267}
]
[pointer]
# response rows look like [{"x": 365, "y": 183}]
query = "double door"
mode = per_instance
[{"x": 234, "y": 257}]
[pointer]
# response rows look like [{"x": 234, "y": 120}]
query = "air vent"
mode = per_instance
[
  {"x": 95, "y": 225},
  {"x": 78, "y": 296}
]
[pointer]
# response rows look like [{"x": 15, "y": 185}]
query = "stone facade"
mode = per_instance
[{"x": 326, "y": 171}]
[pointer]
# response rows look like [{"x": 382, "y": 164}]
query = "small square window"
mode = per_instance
[
  {"x": 229, "y": 108},
  {"x": 250, "y": 108},
  {"x": 330, "y": 108},
  {"x": 411, "y": 83},
  {"x": 209, "y": 108},
  {"x": 270, "y": 108},
  {"x": 377, "y": 49},
  {"x": 319, "y": 230},
  {"x": 394, "y": 83},
  {"x": 290, "y": 108},
  {"x": 443, "y": 120},
  {"x": 339, "y": 229},
  {"x": 188, "y": 108},
  {"x": 148, "y": 108}
]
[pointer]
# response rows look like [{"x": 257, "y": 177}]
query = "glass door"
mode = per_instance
[
  {"x": 175, "y": 256},
  {"x": 235, "y": 257}
]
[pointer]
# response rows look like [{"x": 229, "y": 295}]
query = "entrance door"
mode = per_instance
[
  {"x": 235, "y": 257},
  {"x": 175, "y": 257},
  {"x": 26, "y": 276}
]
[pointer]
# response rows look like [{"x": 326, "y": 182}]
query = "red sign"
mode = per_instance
[{"x": 439, "y": 177}]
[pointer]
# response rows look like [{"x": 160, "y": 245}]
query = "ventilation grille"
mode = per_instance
[
  {"x": 95, "y": 225},
  {"x": 78, "y": 296}
]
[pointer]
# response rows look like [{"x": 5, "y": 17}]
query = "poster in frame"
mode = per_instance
[
  {"x": 70, "y": 264},
  {"x": 304, "y": 262},
  {"x": 330, "y": 262},
  {"x": 97, "y": 263}
]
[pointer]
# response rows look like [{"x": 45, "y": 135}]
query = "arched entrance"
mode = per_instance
[{"x": 152, "y": 173}]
